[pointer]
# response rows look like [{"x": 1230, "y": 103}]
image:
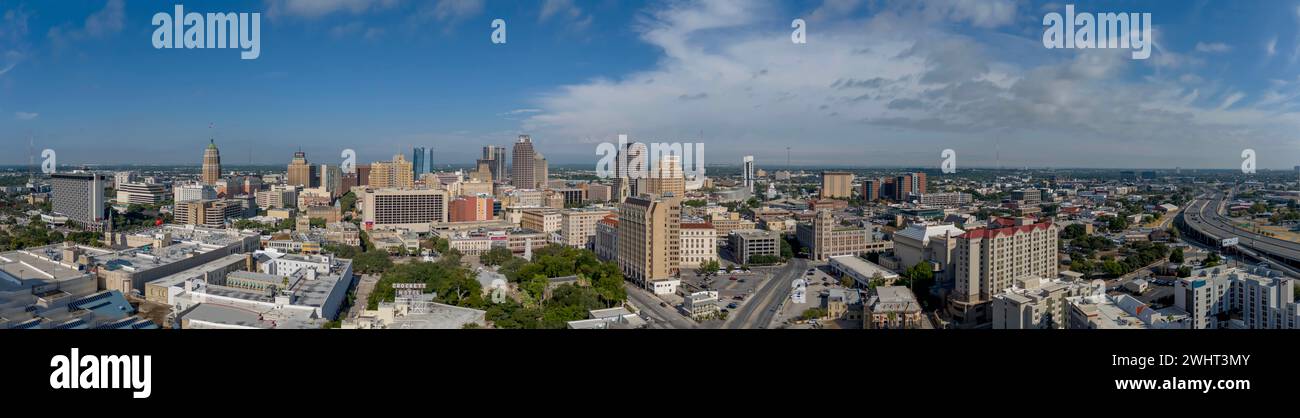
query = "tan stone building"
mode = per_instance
[
  {"x": 578, "y": 227},
  {"x": 699, "y": 244},
  {"x": 649, "y": 239},
  {"x": 825, "y": 238},
  {"x": 837, "y": 185},
  {"x": 395, "y": 174}
]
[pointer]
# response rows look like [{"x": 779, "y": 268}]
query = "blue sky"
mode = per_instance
[{"x": 878, "y": 83}]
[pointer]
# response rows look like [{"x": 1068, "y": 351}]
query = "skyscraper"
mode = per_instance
[
  {"x": 211, "y": 164},
  {"x": 418, "y": 162},
  {"x": 748, "y": 172},
  {"x": 837, "y": 185},
  {"x": 497, "y": 156},
  {"x": 667, "y": 177},
  {"x": 541, "y": 171},
  {"x": 300, "y": 171},
  {"x": 331, "y": 179},
  {"x": 523, "y": 174},
  {"x": 392, "y": 174}
]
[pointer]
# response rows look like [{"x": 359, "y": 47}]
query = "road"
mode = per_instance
[
  {"x": 1204, "y": 215},
  {"x": 664, "y": 317},
  {"x": 763, "y": 305}
]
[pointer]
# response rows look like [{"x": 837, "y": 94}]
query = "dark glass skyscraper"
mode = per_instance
[{"x": 419, "y": 164}]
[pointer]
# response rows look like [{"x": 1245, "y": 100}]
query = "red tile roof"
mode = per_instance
[
  {"x": 704, "y": 225},
  {"x": 985, "y": 233}
]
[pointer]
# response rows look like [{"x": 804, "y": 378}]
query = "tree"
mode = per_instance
[
  {"x": 1073, "y": 231},
  {"x": 496, "y": 256},
  {"x": 787, "y": 251},
  {"x": 1176, "y": 256},
  {"x": 813, "y": 313},
  {"x": 846, "y": 281},
  {"x": 348, "y": 202},
  {"x": 1212, "y": 260}
]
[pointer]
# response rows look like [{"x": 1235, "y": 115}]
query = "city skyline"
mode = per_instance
[{"x": 911, "y": 79}]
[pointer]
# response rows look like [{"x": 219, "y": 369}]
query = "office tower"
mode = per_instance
[
  {"x": 331, "y": 179},
  {"x": 470, "y": 209},
  {"x": 419, "y": 164},
  {"x": 989, "y": 259},
  {"x": 541, "y": 171},
  {"x": 597, "y": 192},
  {"x": 649, "y": 239},
  {"x": 141, "y": 193},
  {"x": 902, "y": 187},
  {"x": 496, "y": 156},
  {"x": 918, "y": 183},
  {"x": 300, "y": 172},
  {"x": 826, "y": 238},
  {"x": 211, "y": 164},
  {"x": 392, "y": 174},
  {"x": 483, "y": 172},
  {"x": 870, "y": 190},
  {"x": 837, "y": 185},
  {"x": 748, "y": 172},
  {"x": 80, "y": 197},
  {"x": 667, "y": 177},
  {"x": 188, "y": 192},
  {"x": 523, "y": 174},
  {"x": 413, "y": 210}
]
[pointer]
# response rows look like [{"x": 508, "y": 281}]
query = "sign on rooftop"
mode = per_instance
[{"x": 408, "y": 289}]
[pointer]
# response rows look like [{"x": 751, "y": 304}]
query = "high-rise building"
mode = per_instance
[
  {"x": 541, "y": 171},
  {"x": 395, "y": 174},
  {"x": 918, "y": 183},
  {"x": 747, "y": 168},
  {"x": 1264, "y": 299},
  {"x": 667, "y": 177},
  {"x": 1038, "y": 303},
  {"x": 300, "y": 172},
  {"x": 523, "y": 173},
  {"x": 578, "y": 226},
  {"x": 902, "y": 187},
  {"x": 331, "y": 179},
  {"x": 363, "y": 174},
  {"x": 649, "y": 241},
  {"x": 496, "y": 155},
  {"x": 80, "y": 197},
  {"x": 141, "y": 193},
  {"x": 470, "y": 209},
  {"x": 419, "y": 164},
  {"x": 413, "y": 210},
  {"x": 837, "y": 185},
  {"x": 826, "y": 238},
  {"x": 871, "y": 190},
  {"x": 988, "y": 260},
  {"x": 483, "y": 171},
  {"x": 211, "y": 164}
]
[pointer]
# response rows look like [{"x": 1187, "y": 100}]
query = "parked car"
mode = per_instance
[{"x": 732, "y": 305}]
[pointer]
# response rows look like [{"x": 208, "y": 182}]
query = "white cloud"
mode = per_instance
[
  {"x": 1271, "y": 47},
  {"x": 1231, "y": 100},
  {"x": 921, "y": 90},
  {"x": 26, "y": 115},
  {"x": 979, "y": 13},
  {"x": 454, "y": 10},
  {"x": 104, "y": 22},
  {"x": 1213, "y": 47},
  {"x": 317, "y": 8}
]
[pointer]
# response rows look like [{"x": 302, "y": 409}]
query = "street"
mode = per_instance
[
  {"x": 661, "y": 316},
  {"x": 763, "y": 305}
]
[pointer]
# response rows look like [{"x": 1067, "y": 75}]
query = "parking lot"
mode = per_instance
[
  {"x": 730, "y": 291},
  {"x": 819, "y": 283}
]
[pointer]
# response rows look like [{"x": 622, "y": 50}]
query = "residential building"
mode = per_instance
[
  {"x": 1251, "y": 298},
  {"x": 212, "y": 213},
  {"x": 395, "y": 174},
  {"x": 544, "y": 220},
  {"x": 187, "y": 192},
  {"x": 1101, "y": 311},
  {"x": 578, "y": 226},
  {"x": 948, "y": 199},
  {"x": 412, "y": 210},
  {"x": 606, "y": 240},
  {"x": 470, "y": 209},
  {"x": 1038, "y": 303},
  {"x": 988, "y": 260}
]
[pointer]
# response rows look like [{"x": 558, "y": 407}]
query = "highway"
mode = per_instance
[{"x": 1204, "y": 215}]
